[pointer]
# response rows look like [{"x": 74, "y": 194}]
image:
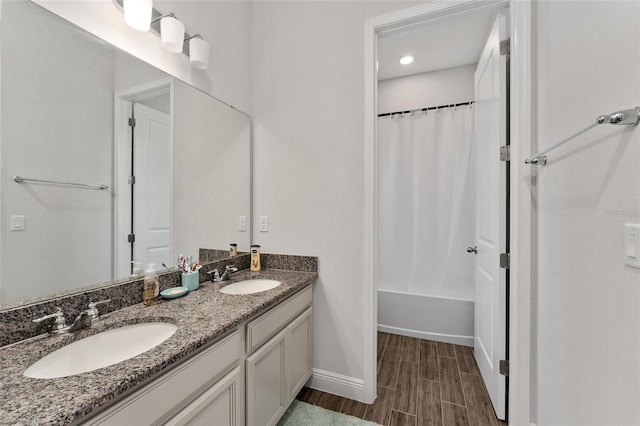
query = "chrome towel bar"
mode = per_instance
[
  {"x": 20, "y": 179},
  {"x": 627, "y": 117}
]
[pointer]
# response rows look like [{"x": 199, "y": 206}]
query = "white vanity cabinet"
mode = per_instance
[
  {"x": 248, "y": 378},
  {"x": 277, "y": 370},
  {"x": 207, "y": 389}
]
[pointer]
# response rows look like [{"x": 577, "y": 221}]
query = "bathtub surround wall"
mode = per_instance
[{"x": 442, "y": 87}]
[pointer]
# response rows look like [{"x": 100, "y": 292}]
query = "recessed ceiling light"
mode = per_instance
[{"x": 406, "y": 60}]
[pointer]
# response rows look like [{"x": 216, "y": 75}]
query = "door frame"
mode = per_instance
[
  {"x": 521, "y": 214},
  {"x": 123, "y": 101}
]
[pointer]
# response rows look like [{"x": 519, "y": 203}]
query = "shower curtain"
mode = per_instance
[{"x": 426, "y": 202}]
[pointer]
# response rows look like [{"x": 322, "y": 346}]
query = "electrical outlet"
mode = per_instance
[
  {"x": 264, "y": 223},
  {"x": 242, "y": 223}
]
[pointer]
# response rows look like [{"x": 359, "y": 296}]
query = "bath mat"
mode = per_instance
[{"x": 302, "y": 414}]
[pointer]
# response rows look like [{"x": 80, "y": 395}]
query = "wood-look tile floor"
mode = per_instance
[{"x": 420, "y": 382}]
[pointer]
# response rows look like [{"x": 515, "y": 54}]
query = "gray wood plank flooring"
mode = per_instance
[{"x": 420, "y": 383}]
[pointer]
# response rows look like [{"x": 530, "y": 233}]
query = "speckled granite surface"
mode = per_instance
[
  {"x": 208, "y": 255},
  {"x": 289, "y": 262},
  {"x": 202, "y": 317},
  {"x": 16, "y": 324}
]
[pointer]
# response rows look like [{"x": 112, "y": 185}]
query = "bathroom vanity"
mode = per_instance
[
  {"x": 234, "y": 360},
  {"x": 275, "y": 354}
]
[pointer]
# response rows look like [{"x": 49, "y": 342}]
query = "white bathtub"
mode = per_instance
[{"x": 426, "y": 317}]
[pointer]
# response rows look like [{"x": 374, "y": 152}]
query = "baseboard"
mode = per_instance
[
  {"x": 446, "y": 338},
  {"x": 337, "y": 384}
]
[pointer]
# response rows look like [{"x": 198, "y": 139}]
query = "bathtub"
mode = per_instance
[{"x": 426, "y": 317}]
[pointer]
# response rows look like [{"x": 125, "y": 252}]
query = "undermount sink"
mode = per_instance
[
  {"x": 101, "y": 350},
  {"x": 250, "y": 286}
]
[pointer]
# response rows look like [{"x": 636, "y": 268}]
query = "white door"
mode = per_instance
[
  {"x": 490, "y": 279},
  {"x": 152, "y": 168}
]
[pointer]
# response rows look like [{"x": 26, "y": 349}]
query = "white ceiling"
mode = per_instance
[{"x": 436, "y": 45}]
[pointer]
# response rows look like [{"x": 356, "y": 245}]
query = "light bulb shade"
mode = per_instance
[
  {"x": 199, "y": 53},
  {"x": 137, "y": 14},
  {"x": 171, "y": 34}
]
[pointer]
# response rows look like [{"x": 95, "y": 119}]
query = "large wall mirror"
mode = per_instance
[{"x": 66, "y": 101}]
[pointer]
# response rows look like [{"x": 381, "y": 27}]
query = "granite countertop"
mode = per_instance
[{"x": 202, "y": 317}]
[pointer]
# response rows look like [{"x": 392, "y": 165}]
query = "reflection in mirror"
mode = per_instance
[{"x": 66, "y": 102}]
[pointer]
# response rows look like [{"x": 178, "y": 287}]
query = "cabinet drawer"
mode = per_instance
[
  {"x": 161, "y": 398},
  {"x": 263, "y": 328}
]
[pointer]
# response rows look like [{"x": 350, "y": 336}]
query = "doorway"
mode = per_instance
[
  {"x": 144, "y": 177},
  {"x": 521, "y": 120}
]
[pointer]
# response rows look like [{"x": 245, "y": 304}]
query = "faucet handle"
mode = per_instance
[
  {"x": 93, "y": 313},
  {"x": 216, "y": 274},
  {"x": 231, "y": 268},
  {"x": 92, "y": 305},
  {"x": 59, "y": 322}
]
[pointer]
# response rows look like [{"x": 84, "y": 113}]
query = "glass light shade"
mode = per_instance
[
  {"x": 199, "y": 53},
  {"x": 171, "y": 34},
  {"x": 137, "y": 14}
]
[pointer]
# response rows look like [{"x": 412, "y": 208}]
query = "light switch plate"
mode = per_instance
[
  {"x": 264, "y": 223},
  {"x": 17, "y": 223},
  {"x": 632, "y": 245},
  {"x": 242, "y": 223}
]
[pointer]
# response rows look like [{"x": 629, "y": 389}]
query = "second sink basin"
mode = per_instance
[
  {"x": 101, "y": 350},
  {"x": 250, "y": 286}
]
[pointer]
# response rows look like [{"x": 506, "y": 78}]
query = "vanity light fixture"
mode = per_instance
[
  {"x": 141, "y": 15},
  {"x": 171, "y": 33},
  {"x": 199, "y": 52},
  {"x": 137, "y": 14},
  {"x": 406, "y": 60}
]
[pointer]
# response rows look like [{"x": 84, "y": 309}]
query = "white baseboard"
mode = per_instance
[
  {"x": 446, "y": 338},
  {"x": 337, "y": 384}
]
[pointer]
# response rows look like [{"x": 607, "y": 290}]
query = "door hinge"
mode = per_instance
[
  {"x": 504, "y": 367},
  {"x": 131, "y": 238},
  {"x": 504, "y": 260},
  {"x": 505, "y": 153},
  {"x": 505, "y": 46},
  {"x": 131, "y": 180},
  {"x": 132, "y": 122}
]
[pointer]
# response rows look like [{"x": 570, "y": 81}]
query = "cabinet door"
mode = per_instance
[
  {"x": 220, "y": 405},
  {"x": 300, "y": 352},
  {"x": 266, "y": 400}
]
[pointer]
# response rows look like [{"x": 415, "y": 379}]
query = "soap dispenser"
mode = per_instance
[{"x": 151, "y": 287}]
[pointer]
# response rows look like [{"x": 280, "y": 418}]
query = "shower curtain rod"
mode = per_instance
[{"x": 386, "y": 114}]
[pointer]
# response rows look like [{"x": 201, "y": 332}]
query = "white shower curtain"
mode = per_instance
[{"x": 426, "y": 202}]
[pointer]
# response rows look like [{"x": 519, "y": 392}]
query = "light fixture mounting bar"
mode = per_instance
[{"x": 156, "y": 15}]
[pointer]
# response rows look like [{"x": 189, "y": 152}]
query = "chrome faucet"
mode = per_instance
[
  {"x": 228, "y": 270},
  {"x": 58, "y": 325},
  {"x": 85, "y": 319}
]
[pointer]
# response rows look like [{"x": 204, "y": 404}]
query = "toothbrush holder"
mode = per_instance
[{"x": 191, "y": 280}]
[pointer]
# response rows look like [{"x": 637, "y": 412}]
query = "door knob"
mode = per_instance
[{"x": 473, "y": 250}]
